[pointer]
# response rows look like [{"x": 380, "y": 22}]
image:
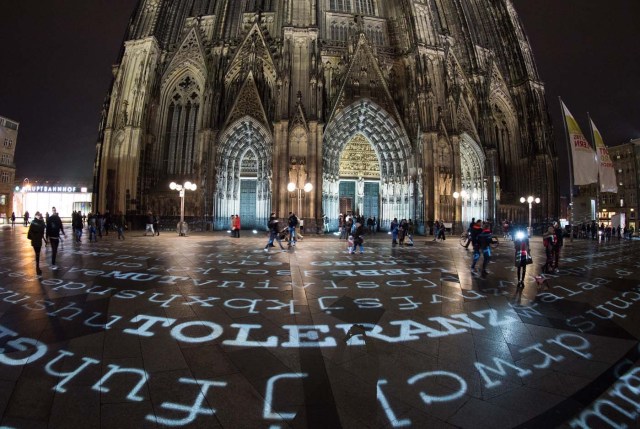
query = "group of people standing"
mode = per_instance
[
  {"x": 439, "y": 230},
  {"x": 401, "y": 231}
]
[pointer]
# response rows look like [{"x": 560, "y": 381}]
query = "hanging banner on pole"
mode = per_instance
[
  {"x": 607, "y": 173},
  {"x": 585, "y": 166}
]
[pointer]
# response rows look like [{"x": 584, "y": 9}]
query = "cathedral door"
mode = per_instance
[
  {"x": 347, "y": 196},
  {"x": 371, "y": 203},
  {"x": 248, "y": 204}
]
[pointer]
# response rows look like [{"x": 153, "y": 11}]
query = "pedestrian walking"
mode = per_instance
[
  {"x": 358, "y": 238},
  {"x": 548, "y": 240},
  {"x": 441, "y": 231},
  {"x": 36, "y": 235},
  {"x": 156, "y": 224},
  {"x": 395, "y": 229},
  {"x": 292, "y": 222},
  {"x": 77, "y": 226},
  {"x": 471, "y": 225},
  {"x": 481, "y": 237},
  {"x": 120, "y": 225},
  {"x": 13, "y": 219},
  {"x": 236, "y": 226},
  {"x": 53, "y": 230},
  {"x": 559, "y": 241},
  {"x": 274, "y": 232},
  {"x": 522, "y": 255},
  {"x": 149, "y": 224},
  {"x": 91, "y": 219}
]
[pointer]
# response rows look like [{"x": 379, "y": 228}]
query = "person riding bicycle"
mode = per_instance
[{"x": 473, "y": 222}]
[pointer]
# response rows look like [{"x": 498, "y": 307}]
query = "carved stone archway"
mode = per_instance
[
  {"x": 394, "y": 152},
  {"x": 472, "y": 180},
  {"x": 244, "y": 154}
]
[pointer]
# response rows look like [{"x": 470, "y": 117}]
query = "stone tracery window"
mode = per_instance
[
  {"x": 366, "y": 7},
  {"x": 340, "y": 5},
  {"x": 181, "y": 128}
]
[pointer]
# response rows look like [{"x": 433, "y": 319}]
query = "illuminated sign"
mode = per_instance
[{"x": 42, "y": 188}]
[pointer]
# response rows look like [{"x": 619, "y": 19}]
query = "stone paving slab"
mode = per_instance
[{"x": 212, "y": 331}]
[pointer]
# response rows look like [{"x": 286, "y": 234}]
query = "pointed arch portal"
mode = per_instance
[
  {"x": 243, "y": 187},
  {"x": 472, "y": 181},
  {"x": 366, "y": 124}
]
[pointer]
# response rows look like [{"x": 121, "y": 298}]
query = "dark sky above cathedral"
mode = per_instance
[{"x": 56, "y": 59}]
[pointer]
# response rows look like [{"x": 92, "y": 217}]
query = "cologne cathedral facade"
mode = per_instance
[{"x": 388, "y": 109}]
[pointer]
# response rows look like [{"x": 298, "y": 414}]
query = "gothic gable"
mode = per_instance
[
  {"x": 299, "y": 119},
  {"x": 500, "y": 96},
  {"x": 248, "y": 103},
  {"x": 364, "y": 79},
  {"x": 465, "y": 121},
  {"x": 252, "y": 55},
  {"x": 190, "y": 55}
]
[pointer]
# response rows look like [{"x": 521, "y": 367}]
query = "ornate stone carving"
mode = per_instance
[{"x": 359, "y": 159}]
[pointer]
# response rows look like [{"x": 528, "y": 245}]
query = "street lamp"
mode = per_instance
[
  {"x": 292, "y": 187},
  {"x": 182, "y": 226},
  {"x": 530, "y": 200}
]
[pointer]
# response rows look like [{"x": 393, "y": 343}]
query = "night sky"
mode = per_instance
[{"x": 57, "y": 57}]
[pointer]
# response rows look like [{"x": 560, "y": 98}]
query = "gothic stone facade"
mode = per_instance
[{"x": 386, "y": 107}]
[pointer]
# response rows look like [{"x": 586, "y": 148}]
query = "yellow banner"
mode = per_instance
[{"x": 585, "y": 166}]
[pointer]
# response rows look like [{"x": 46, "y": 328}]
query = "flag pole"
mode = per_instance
[
  {"x": 570, "y": 155},
  {"x": 593, "y": 139}
]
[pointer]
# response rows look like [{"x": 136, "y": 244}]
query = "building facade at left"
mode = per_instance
[{"x": 8, "y": 139}]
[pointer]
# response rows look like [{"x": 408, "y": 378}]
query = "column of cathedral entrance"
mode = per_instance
[
  {"x": 280, "y": 195},
  {"x": 429, "y": 141},
  {"x": 457, "y": 185},
  {"x": 492, "y": 184},
  {"x": 314, "y": 171}
]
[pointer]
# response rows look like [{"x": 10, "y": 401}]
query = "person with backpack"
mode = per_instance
[
  {"x": 292, "y": 223},
  {"x": 54, "y": 229}
]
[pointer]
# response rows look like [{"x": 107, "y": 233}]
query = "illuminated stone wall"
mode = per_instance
[{"x": 448, "y": 98}]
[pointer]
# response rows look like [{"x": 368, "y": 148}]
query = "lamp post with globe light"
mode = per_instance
[
  {"x": 182, "y": 226},
  {"x": 530, "y": 200},
  {"x": 292, "y": 187}
]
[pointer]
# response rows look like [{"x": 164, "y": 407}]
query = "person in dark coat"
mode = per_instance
[
  {"x": 274, "y": 233},
  {"x": 54, "y": 229},
  {"x": 521, "y": 247},
  {"x": 36, "y": 235},
  {"x": 358, "y": 238},
  {"x": 559, "y": 241}
]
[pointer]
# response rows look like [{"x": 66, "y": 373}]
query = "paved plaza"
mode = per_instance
[{"x": 209, "y": 331}]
